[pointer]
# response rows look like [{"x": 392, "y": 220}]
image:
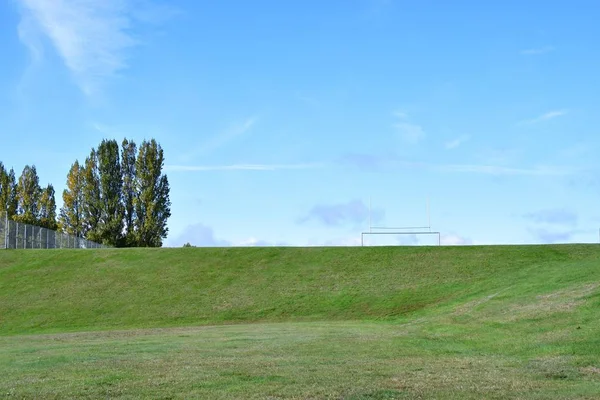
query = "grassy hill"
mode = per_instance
[
  {"x": 343, "y": 323},
  {"x": 60, "y": 290}
]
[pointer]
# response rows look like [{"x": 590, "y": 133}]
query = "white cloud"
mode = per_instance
[
  {"x": 255, "y": 242},
  {"x": 352, "y": 212},
  {"x": 198, "y": 235},
  {"x": 456, "y": 142},
  {"x": 409, "y": 132},
  {"x": 400, "y": 114},
  {"x": 29, "y": 35},
  {"x": 91, "y": 36},
  {"x": 392, "y": 161},
  {"x": 336, "y": 242},
  {"x": 454, "y": 240},
  {"x": 537, "y": 51},
  {"x": 240, "y": 167},
  {"x": 500, "y": 170},
  {"x": 547, "y": 116}
]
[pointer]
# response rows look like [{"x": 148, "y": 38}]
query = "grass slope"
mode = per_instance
[
  {"x": 67, "y": 290},
  {"x": 343, "y": 323}
]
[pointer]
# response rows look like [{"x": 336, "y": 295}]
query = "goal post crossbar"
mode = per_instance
[{"x": 400, "y": 228}]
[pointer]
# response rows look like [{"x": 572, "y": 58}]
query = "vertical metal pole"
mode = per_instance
[
  {"x": 6, "y": 230},
  {"x": 428, "y": 215},
  {"x": 370, "y": 214}
]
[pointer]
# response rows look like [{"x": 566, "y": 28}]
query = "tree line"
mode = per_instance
[{"x": 118, "y": 196}]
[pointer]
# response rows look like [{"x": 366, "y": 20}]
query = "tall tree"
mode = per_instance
[
  {"x": 128, "y": 150},
  {"x": 8, "y": 192},
  {"x": 152, "y": 205},
  {"x": 10, "y": 199},
  {"x": 47, "y": 205},
  {"x": 111, "y": 186},
  {"x": 92, "y": 206},
  {"x": 3, "y": 183},
  {"x": 28, "y": 196},
  {"x": 71, "y": 213}
]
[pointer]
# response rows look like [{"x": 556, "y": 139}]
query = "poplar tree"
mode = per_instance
[
  {"x": 128, "y": 153},
  {"x": 8, "y": 192},
  {"x": 92, "y": 207},
  {"x": 111, "y": 185},
  {"x": 71, "y": 213},
  {"x": 28, "y": 196},
  {"x": 47, "y": 206},
  {"x": 152, "y": 204}
]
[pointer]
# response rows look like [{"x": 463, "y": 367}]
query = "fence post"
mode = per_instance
[{"x": 6, "y": 230}]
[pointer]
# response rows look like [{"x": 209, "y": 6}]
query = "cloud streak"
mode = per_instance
[
  {"x": 545, "y": 117},
  {"x": 550, "y": 237},
  {"x": 222, "y": 139},
  {"x": 409, "y": 132},
  {"x": 537, "y": 51},
  {"x": 375, "y": 162},
  {"x": 354, "y": 211},
  {"x": 555, "y": 216},
  {"x": 241, "y": 167},
  {"x": 453, "y": 144},
  {"x": 91, "y": 36}
]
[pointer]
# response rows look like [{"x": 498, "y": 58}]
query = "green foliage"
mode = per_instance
[
  {"x": 188, "y": 244},
  {"x": 71, "y": 213},
  {"x": 8, "y": 192},
  {"x": 28, "y": 196},
  {"x": 152, "y": 204},
  {"x": 128, "y": 154},
  {"x": 47, "y": 204},
  {"x": 92, "y": 204},
  {"x": 118, "y": 197},
  {"x": 110, "y": 227}
]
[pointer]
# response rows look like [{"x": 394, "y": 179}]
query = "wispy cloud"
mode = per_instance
[
  {"x": 502, "y": 170},
  {"x": 453, "y": 144},
  {"x": 255, "y": 242},
  {"x": 408, "y": 131},
  {"x": 354, "y": 211},
  {"x": 241, "y": 167},
  {"x": 366, "y": 161},
  {"x": 537, "y": 50},
  {"x": 453, "y": 239},
  {"x": 30, "y": 37},
  {"x": 92, "y": 36},
  {"x": 198, "y": 235},
  {"x": 555, "y": 216},
  {"x": 221, "y": 139},
  {"x": 549, "y": 237},
  {"x": 545, "y": 117}
]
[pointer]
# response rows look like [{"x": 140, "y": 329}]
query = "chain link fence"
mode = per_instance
[{"x": 15, "y": 235}]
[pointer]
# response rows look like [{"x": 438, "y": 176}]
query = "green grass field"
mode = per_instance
[{"x": 304, "y": 323}]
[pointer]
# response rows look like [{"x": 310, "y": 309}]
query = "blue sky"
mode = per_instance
[{"x": 280, "y": 119}]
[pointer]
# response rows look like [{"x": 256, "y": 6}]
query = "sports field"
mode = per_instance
[{"x": 305, "y": 323}]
